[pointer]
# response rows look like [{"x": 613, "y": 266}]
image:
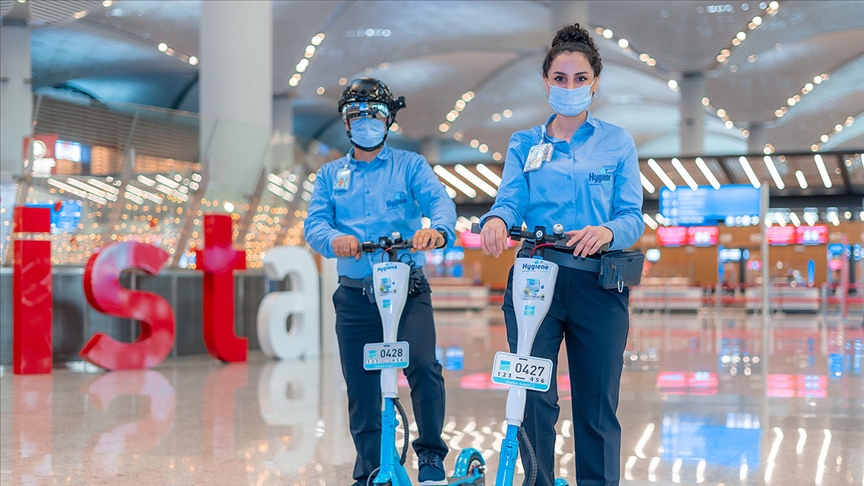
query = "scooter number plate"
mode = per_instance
[
  {"x": 385, "y": 355},
  {"x": 522, "y": 371}
]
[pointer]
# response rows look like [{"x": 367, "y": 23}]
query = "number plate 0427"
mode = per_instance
[
  {"x": 385, "y": 355},
  {"x": 522, "y": 371}
]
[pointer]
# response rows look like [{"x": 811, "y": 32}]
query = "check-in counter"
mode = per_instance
[
  {"x": 668, "y": 297},
  {"x": 457, "y": 293},
  {"x": 784, "y": 299}
]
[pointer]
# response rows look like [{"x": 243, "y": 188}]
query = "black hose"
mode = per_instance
[
  {"x": 531, "y": 472},
  {"x": 404, "y": 417}
]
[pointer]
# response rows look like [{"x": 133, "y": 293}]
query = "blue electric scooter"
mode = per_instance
[
  {"x": 391, "y": 285},
  {"x": 532, "y": 291}
]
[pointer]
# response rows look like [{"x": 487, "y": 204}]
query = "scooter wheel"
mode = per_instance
[{"x": 476, "y": 466}]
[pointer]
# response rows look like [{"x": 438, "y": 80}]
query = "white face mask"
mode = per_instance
[{"x": 570, "y": 102}]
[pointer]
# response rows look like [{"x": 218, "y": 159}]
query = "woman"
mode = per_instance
[{"x": 584, "y": 174}]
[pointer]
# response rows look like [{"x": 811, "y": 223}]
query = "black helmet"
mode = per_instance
[{"x": 369, "y": 96}]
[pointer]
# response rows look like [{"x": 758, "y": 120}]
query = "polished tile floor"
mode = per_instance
[{"x": 704, "y": 401}]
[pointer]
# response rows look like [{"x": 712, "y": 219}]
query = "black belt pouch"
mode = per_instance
[{"x": 619, "y": 269}]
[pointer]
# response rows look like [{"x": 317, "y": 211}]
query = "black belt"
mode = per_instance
[
  {"x": 566, "y": 259},
  {"x": 359, "y": 283}
]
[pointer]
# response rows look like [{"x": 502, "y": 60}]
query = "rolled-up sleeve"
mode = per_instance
[
  {"x": 434, "y": 202},
  {"x": 626, "y": 223},
  {"x": 318, "y": 228},
  {"x": 512, "y": 199}
]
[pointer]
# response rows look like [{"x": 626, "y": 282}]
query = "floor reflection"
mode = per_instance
[{"x": 704, "y": 401}]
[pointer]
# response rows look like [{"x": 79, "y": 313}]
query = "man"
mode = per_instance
[{"x": 372, "y": 192}]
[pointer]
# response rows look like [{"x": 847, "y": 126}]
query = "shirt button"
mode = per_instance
[
  {"x": 369, "y": 214},
  {"x": 569, "y": 178},
  {"x": 368, "y": 191}
]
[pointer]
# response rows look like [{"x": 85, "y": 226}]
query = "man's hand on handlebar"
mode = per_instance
[
  {"x": 589, "y": 239},
  {"x": 493, "y": 237},
  {"x": 427, "y": 239},
  {"x": 347, "y": 246}
]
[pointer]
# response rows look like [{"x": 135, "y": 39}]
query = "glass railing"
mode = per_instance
[{"x": 133, "y": 173}]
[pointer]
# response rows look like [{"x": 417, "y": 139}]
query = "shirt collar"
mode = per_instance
[
  {"x": 384, "y": 154},
  {"x": 545, "y": 128}
]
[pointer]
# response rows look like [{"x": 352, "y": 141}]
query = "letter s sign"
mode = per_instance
[
  {"x": 104, "y": 292},
  {"x": 302, "y": 302}
]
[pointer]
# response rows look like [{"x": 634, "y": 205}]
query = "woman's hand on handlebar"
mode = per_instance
[
  {"x": 347, "y": 246},
  {"x": 493, "y": 236},
  {"x": 426, "y": 239},
  {"x": 589, "y": 239}
]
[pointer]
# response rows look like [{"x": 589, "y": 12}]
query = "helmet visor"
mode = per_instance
[{"x": 366, "y": 110}]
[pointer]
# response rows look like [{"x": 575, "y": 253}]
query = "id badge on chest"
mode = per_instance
[
  {"x": 538, "y": 154},
  {"x": 343, "y": 179}
]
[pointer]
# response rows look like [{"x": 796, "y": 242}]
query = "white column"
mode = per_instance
[
  {"x": 566, "y": 13},
  {"x": 692, "y": 114},
  {"x": 756, "y": 140},
  {"x": 430, "y": 148},
  {"x": 16, "y": 95},
  {"x": 236, "y": 72},
  {"x": 283, "y": 134}
]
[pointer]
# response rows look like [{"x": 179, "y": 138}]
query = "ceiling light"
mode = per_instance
[
  {"x": 455, "y": 181},
  {"x": 644, "y": 57},
  {"x": 474, "y": 143},
  {"x": 483, "y": 148},
  {"x": 820, "y": 164},
  {"x": 757, "y": 20},
  {"x": 477, "y": 181},
  {"x": 769, "y": 163},
  {"x": 684, "y": 174},
  {"x": 745, "y": 164},
  {"x": 847, "y": 215},
  {"x": 302, "y": 65},
  {"x": 623, "y": 43},
  {"x": 673, "y": 85},
  {"x": 814, "y": 147},
  {"x": 736, "y": 42},
  {"x": 794, "y": 218},
  {"x": 662, "y": 175},
  {"x": 320, "y": 90},
  {"x": 107, "y": 3},
  {"x": 193, "y": 60},
  {"x": 508, "y": 114},
  {"x": 460, "y": 105},
  {"x": 768, "y": 149},
  {"x": 651, "y": 62},
  {"x": 646, "y": 183},
  {"x": 607, "y": 34},
  {"x": 444, "y": 127},
  {"x": 802, "y": 181},
  {"x": 729, "y": 124},
  {"x": 496, "y": 117},
  {"x": 817, "y": 79},
  {"x": 310, "y": 51},
  {"x": 343, "y": 81},
  {"x": 649, "y": 221},
  {"x": 316, "y": 40},
  {"x": 496, "y": 156},
  {"x": 705, "y": 101},
  {"x": 707, "y": 173},
  {"x": 162, "y": 47},
  {"x": 489, "y": 173},
  {"x": 458, "y": 136},
  {"x": 468, "y": 96}
]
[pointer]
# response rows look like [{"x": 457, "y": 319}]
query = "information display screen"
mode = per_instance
[
  {"x": 706, "y": 205},
  {"x": 781, "y": 235},
  {"x": 672, "y": 236},
  {"x": 812, "y": 235}
]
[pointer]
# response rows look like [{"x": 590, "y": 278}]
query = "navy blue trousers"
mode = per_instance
[
  {"x": 357, "y": 323},
  {"x": 593, "y": 323}
]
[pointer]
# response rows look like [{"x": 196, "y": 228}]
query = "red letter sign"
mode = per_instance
[
  {"x": 218, "y": 261},
  {"x": 31, "y": 293},
  {"x": 104, "y": 292}
]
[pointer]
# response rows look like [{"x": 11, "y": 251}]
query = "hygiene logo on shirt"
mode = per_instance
[
  {"x": 603, "y": 178},
  {"x": 398, "y": 199}
]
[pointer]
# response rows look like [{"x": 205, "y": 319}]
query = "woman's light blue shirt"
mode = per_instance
[
  {"x": 592, "y": 180},
  {"x": 390, "y": 193}
]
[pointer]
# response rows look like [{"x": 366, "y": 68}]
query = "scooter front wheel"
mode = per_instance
[{"x": 470, "y": 468}]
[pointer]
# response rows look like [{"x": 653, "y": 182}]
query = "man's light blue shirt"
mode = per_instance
[
  {"x": 390, "y": 193},
  {"x": 591, "y": 181}
]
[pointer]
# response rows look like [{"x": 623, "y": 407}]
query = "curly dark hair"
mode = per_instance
[{"x": 573, "y": 38}]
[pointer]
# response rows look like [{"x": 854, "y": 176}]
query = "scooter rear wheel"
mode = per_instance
[{"x": 475, "y": 464}]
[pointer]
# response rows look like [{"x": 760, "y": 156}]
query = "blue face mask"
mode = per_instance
[
  {"x": 368, "y": 133},
  {"x": 570, "y": 102}
]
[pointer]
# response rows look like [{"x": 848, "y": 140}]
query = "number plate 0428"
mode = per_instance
[
  {"x": 522, "y": 371},
  {"x": 385, "y": 355}
]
